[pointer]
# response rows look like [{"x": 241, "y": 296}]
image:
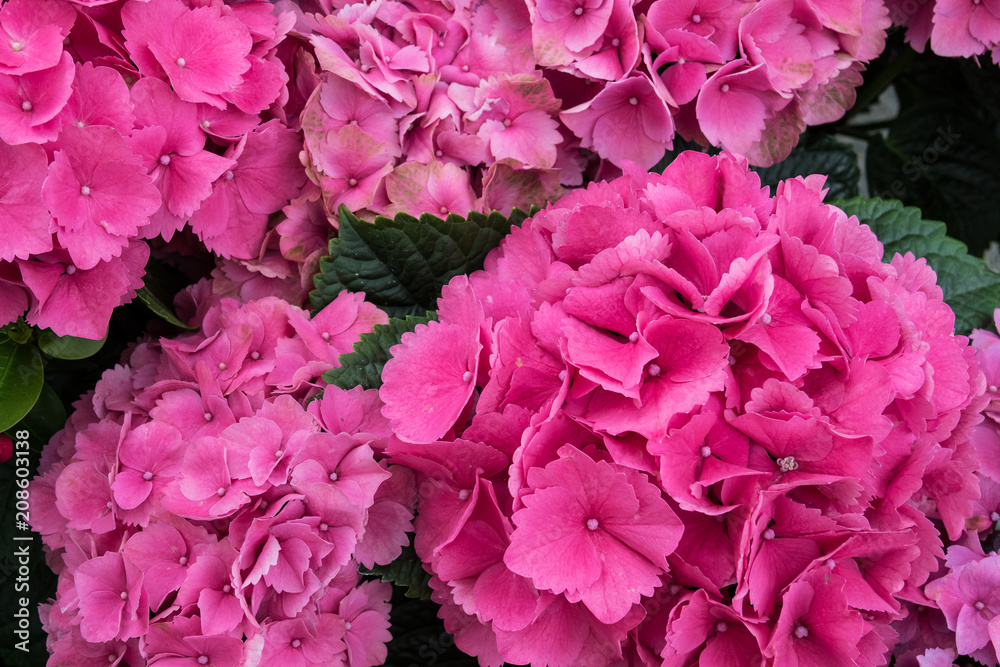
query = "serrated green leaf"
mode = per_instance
[
  {"x": 941, "y": 157},
  {"x": 21, "y": 379},
  {"x": 159, "y": 308},
  {"x": 69, "y": 347},
  {"x": 402, "y": 263},
  {"x": 406, "y": 571},
  {"x": 971, "y": 289},
  {"x": 827, "y": 156},
  {"x": 363, "y": 367}
]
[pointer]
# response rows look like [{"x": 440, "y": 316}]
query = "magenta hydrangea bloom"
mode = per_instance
[
  {"x": 181, "y": 543},
  {"x": 686, "y": 421}
]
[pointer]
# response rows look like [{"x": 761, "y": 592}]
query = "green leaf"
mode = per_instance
[
  {"x": 21, "y": 378},
  {"x": 941, "y": 158},
  {"x": 835, "y": 159},
  {"x": 46, "y": 417},
  {"x": 402, "y": 263},
  {"x": 363, "y": 367},
  {"x": 159, "y": 308},
  {"x": 971, "y": 289},
  {"x": 69, "y": 347},
  {"x": 406, "y": 571}
]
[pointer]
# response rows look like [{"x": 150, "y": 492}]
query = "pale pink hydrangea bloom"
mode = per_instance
[{"x": 197, "y": 513}]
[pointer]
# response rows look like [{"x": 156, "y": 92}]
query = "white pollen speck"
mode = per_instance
[
  {"x": 801, "y": 632},
  {"x": 84, "y": 190},
  {"x": 724, "y": 87},
  {"x": 464, "y": 494},
  {"x": 26, "y": 106},
  {"x": 592, "y": 524},
  {"x": 467, "y": 376},
  {"x": 181, "y": 62}
]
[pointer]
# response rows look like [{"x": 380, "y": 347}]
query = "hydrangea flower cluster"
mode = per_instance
[
  {"x": 196, "y": 513},
  {"x": 966, "y": 595},
  {"x": 114, "y": 130},
  {"x": 960, "y": 28},
  {"x": 677, "y": 419},
  {"x": 448, "y": 107}
]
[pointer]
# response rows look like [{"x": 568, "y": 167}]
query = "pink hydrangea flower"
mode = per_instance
[{"x": 677, "y": 390}]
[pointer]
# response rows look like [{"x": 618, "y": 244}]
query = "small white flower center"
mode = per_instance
[
  {"x": 696, "y": 18},
  {"x": 352, "y": 182},
  {"x": 181, "y": 62},
  {"x": 979, "y": 605},
  {"x": 70, "y": 269},
  {"x": 788, "y": 464},
  {"x": 439, "y": 152},
  {"x": 654, "y": 370},
  {"x": 227, "y": 589},
  {"x": 323, "y": 527},
  {"x": 724, "y": 87},
  {"x": 183, "y": 560},
  {"x": 229, "y": 174},
  {"x": 208, "y": 416},
  {"x": 562, "y": 375},
  {"x": 633, "y": 100},
  {"x": 205, "y": 124},
  {"x": 296, "y": 643},
  {"x": 465, "y": 68},
  {"x": 801, "y": 631},
  {"x": 223, "y": 366},
  {"x": 26, "y": 106},
  {"x": 202, "y": 659},
  {"x": 765, "y": 318},
  {"x": 164, "y": 160},
  {"x": 16, "y": 46},
  {"x": 80, "y": 124},
  {"x": 705, "y": 451},
  {"x": 221, "y": 491},
  {"x": 124, "y": 595},
  {"x": 255, "y": 355},
  {"x": 84, "y": 190},
  {"x": 147, "y": 475},
  {"x": 721, "y": 626},
  {"x": 769, "y": 534},
  {"x": 578, "y": 11},
  {"x": 592, "y": 524},
  {"x": 464, "y": 494},
  {"x": 993, "y": 388},
  {"x": 326, "y": 336},
  {"x": 278, "y": 454},
  {"x": 616, "y": 42},
  {"x": 347, "y": 626},
  {"x": 633, "y": 337},
  {"x": 467, "y": 376},
  {"x": 334, "y": 476},
  {"x": 995, "y": 516}
]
